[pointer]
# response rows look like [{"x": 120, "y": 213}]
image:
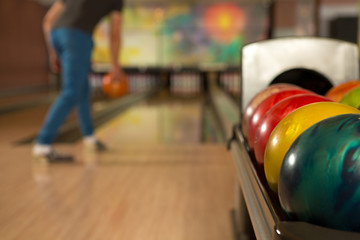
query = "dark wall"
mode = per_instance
[
  {"x": 23, "y": 57},
  {"x": 344, "y": 28}
]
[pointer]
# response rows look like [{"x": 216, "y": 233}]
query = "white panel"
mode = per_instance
[{"x": 265, "y": 60}]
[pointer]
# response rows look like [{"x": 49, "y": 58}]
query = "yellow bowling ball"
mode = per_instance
[{"x": 290, "y": 127}]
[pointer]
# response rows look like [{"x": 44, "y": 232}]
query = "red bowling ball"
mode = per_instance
[
  {"x": 264, "y": 106},
  {"x": 275, "y": 115},
  {"x": 257, "y": 99}
]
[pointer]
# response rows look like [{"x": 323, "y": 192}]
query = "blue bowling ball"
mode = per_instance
[{"x": 319, "y": 179}]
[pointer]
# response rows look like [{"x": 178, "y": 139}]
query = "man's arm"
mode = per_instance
[
  {"x": 50, "y": 17},
  {"x": 115, "y": 44}
]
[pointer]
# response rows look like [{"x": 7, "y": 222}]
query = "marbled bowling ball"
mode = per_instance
[
  {"x": 319, "y": 179},
  {"x": 265, "y": 106},
  {"x": 275, "y": 115},
  {"x": 289, "y": 128}
]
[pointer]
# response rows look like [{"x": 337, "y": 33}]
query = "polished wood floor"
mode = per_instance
[{"x": 157, "y": 181}]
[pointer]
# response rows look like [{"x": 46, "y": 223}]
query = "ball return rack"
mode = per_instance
[{"x": 258, "y": 213}]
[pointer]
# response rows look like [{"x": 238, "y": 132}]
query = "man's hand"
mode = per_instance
[
  {"x": 117, "y": 74},
  {"x": 114, "y": 37}
]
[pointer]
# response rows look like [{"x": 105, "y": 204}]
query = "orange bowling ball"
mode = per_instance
[
  {"x": 114, "y": 88},
  {"x": 336, "y": 93}
]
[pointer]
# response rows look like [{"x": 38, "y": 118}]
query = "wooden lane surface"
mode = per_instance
[
  {"x": 148, "y": 192},
  {"x": 18, "y": 125},
  {"x": 171, "y": 122},
  {"x": 22, "y": 124},
  {"x": 144, "y": 187}
]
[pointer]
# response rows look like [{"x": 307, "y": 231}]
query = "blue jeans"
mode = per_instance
[{"x": 74, "y": 50}]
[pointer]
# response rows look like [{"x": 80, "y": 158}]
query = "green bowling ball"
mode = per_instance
[
  {"x": 319, "y": 179},
  {"x": 352, "y": 98}
]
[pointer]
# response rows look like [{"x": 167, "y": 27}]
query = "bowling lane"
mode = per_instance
[
  {"x": 156, "y": 122},
  {"x": 157, "y": 181},
  {"x": 21, "y": 126},
  {"x": 153, "y": 192},
  {"x": 12, "y": 98},
  {"x": 11, "y": 103},
  {"x": 226, "y": 108},
  {"x": 17, "y": 125}
]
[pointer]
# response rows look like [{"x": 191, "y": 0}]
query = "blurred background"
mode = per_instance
[
  {"x": 168, "y": 174},
  {"x": 177, "y": 34}
]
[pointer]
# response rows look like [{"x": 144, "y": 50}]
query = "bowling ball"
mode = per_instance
[
  {"x": 336, "y": 93},
  {"x": 290, "y": 127},
  {"x": 319, "y": 180},
  {"x": 114, "y": 88},
  {"x": 264, "y": 106},
  {"x": 275, "y": 115},
  {"x": 257, "y": 99},
  {"x": 352, "y": 98}
]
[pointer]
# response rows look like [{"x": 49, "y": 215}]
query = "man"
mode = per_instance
[{"x": 68, "y": 27}]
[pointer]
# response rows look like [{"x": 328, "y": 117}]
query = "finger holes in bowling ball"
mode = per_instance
[{"x": 305, "y": 78}]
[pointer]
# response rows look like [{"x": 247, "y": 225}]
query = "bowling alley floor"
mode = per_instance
[{"x": 159, "y": 179}]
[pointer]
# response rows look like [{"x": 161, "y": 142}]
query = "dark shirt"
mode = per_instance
[{"x": 85, "y": 14}]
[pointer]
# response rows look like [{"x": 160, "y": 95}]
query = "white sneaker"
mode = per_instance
[
  {"x": 95, "y": 146},
  {"x": 53, "y": 156}
]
